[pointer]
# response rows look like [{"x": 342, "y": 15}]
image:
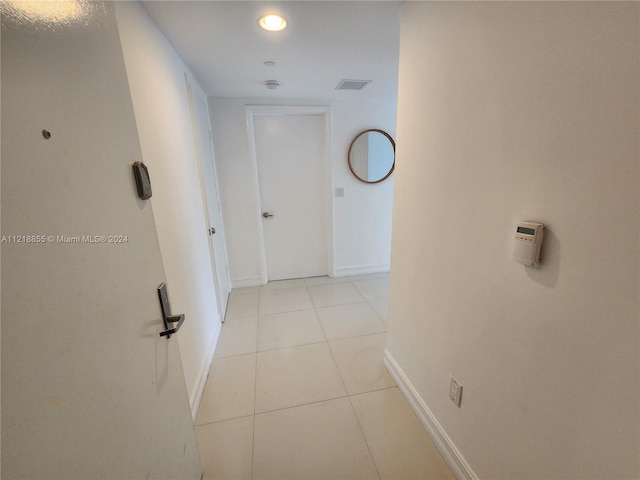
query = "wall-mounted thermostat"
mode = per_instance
[{"x": 527, "y": 242}]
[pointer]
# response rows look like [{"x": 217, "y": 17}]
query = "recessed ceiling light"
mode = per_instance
[
  {"x": 272, "y": 22},
  {"x": 270, "y": 63},
  {"x": 272, "y": 84},
  {"x": 59, "y": 12}
]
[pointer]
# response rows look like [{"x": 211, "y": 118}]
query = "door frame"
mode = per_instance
[
  {"x": 205, "y": 193},
  {"x": 252, "y": 111}
]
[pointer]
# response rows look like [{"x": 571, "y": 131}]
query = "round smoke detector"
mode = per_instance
[{"x": 272, "y": 84}]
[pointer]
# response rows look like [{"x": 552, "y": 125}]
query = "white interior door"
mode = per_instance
[
  {"x": 292, "y": 176},
  {"x": 211, "y": 198},
  {"x": 89, "y": 388}
]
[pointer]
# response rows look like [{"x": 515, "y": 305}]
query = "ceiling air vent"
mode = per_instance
[{"x": 352, "y": 84}]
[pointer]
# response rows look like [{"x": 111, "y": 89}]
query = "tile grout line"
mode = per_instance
[
  {"x": 286, "y": 311},
  {"x": 292, "y": 346},
  {"x": 315, "y": 402},
  {"x": 346, "y": 303},
  {"x": 336, "y": 340},
  {"x": 351, "y": 403},
  {"x": 345, "y": 386},
  {"x": 224, "y": 420},
  {"x": 348, "y": 395},
  {"x": 315, "y": 308},
  {"x": 255, "y": 392},
  {"x": 314, "y": 304},
  {"x": 366, "y": 442}
]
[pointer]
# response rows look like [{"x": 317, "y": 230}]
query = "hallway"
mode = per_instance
[{"x": 298, "y": 389}]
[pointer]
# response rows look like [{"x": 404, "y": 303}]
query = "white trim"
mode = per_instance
[
  {"x": 288, "y": 109},
  {"x": 203, "y": 374},
  {"x": 325, "y": 111},
  {"x": 361, "y": 270},
  {"x": 247, "y": 282},
  {"x": 191, "y": 97},
  {"x": 329, "y": 194},
  {"x": 458, "y": 465},
  {"x": 221, "y": 229},
  {"x": 262, "y": 256}
]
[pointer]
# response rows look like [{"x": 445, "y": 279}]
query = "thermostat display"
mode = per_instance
[
  {"x": 528, "y": 231},
  {"x": 527, "y": 243}
]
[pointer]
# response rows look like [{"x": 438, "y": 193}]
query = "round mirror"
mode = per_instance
[{"x": 372, "y": 156}]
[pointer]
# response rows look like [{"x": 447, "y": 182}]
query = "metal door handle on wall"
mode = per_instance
[
  {"x": 179, "y": 319},
  {"x": 166, "y": 313},
  {"x": 267, "y": 215}
]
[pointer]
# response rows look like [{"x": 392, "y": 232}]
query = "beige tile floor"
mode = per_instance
[{"x": 297, "y": 389}]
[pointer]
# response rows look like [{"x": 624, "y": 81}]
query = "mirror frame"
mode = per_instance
[{"x": 393, "y": 144}]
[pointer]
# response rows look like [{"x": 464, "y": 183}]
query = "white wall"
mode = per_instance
[
  {"x": 159, "y": 93},
  {"x": 508, "y": 112},
  {"x": 362, "y": 218}
]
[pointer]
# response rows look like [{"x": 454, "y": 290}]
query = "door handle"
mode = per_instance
[
  {"x": 178, "y": 319},
  {"x": 267, "y": 214},
  {"x": 212, "y": 231},
  {"x": 166, "y": 313}
]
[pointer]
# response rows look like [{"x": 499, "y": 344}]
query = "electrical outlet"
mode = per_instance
[{"x": 455, "y": 391}]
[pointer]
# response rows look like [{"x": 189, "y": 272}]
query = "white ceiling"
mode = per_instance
[{"x": 325, "y": 42}]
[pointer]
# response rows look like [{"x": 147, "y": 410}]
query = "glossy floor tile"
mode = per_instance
[
  {"x": 281, "y": 330},
  {"x": 243, "y": 306},
  {"x": 359, "y": 360},
  {"x": 310, "y": 282},
  {"x": 282, "y": 284},
  {"x": 373, "y": 289},
  {"x": 241, "y": 291},
  {"x": 296, "y": 376},
  {"x": 334, "y": 294},
  {"x": 397, "y": 440},
  {"x": 381, "y": 307},
  {"x": 284, "y": 300},
  {"x": 298, "y": 389},
  {"x": 368, "y": 276},
  {"x": 226, "y": 449},
  {"x": 230, "y": 389},
  {"x": 239, "y": 336},
  {"x": 350, "y": 320},
  {"x": 318, "y": 441}
]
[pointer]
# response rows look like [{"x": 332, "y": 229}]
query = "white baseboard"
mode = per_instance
[
  {"x": 361, "y": 270},
  {"x": 450, "y": 453},
  {"x": 246, "y": 282},
  {"x": 203, "y": 374}
]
